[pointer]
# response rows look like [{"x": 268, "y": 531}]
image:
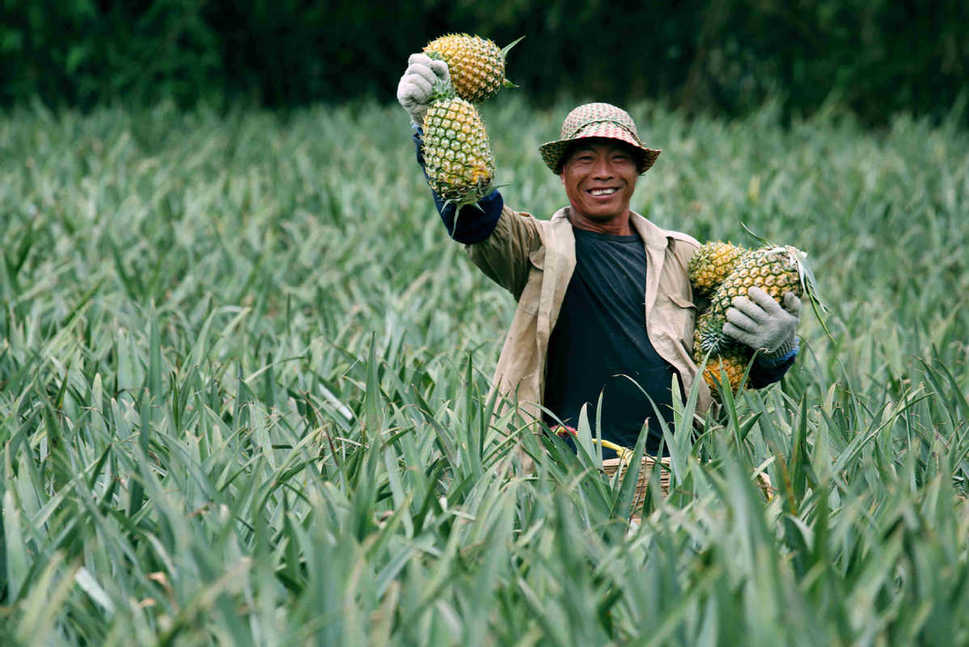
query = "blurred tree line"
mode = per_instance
[{"x": 876, "y": 57}]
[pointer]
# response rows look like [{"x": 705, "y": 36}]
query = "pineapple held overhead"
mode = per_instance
[
  {"x": 457, "y": 154},
  {"x": 477, "y": 65}
]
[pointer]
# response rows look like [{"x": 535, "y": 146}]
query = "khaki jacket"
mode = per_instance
[{"x": 534, "y": 260}]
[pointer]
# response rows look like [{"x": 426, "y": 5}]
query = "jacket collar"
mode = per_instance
[
  {"x": 559, "y": 263},
  {"x": 652, "y": 235},
  {"x": 655, "y": 241}
]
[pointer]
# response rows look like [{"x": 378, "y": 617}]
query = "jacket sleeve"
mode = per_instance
[
  {"x": 474, "y": 222},
  {"x": 763, "y": 373},
  {"x": 506, "y": 255}
]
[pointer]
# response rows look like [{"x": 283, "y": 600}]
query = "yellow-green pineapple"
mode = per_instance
[
  {"x": 476, "y": 65},
  {"x": 457, "y": 154},
  {"x": 732, "y": 362},
  {"x": 711, "y": 264},
  {"x": 730, "y": 357},
  {"x": 776, "y": 270}
]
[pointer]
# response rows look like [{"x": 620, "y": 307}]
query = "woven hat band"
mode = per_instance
[
  {"x": 580, "y": 127},
  {"x": 604, "y": 130}
]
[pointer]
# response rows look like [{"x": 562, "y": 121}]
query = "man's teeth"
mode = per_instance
[{"x": 602, "y": 191}]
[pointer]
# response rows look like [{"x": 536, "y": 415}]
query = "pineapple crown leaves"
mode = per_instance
[
  {"x": 710, "y": 340},
  {"x": 482, "y": 192},
  {"x": 507, "y": 48},
  {"x": 458, "y": 205},
  {"x": 809, "y": 285},
  {"x": 504, "y": 55}
]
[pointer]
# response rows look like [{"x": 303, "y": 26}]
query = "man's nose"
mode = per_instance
[{"x": 602, "y": 169}]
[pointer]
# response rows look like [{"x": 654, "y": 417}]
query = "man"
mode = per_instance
[{"x": 605, "y": 306}]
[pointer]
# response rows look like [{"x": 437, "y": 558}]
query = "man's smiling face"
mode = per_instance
[{"x": 599, "y": 176}]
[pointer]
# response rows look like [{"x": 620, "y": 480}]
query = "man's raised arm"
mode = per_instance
[
  {"x": 499, "y": 239},
  {"x": 475, "y": 222}
]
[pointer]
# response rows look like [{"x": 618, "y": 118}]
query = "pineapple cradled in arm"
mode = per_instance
[{"x": 753, "y": 306}]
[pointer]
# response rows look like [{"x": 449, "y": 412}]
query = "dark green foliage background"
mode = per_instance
[{"x": 877, "y": 57}]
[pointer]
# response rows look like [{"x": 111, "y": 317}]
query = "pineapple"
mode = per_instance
[
  {"x": 457, "y": 154},
  {"x": 711, "y": 264},
  {"x": 476, "y": 65},
  {"x": 732, "y": 357},
  {"x": 774, "y": 269},
  {"x": 733, "y": 362}
]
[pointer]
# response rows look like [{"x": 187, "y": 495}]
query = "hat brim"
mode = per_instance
[{"x": 552, "y": 152}]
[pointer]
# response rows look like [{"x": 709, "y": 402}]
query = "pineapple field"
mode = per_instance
[{"x": 244, "y": 383}]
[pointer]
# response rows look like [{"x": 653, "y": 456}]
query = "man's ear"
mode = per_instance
[{"x": 562, "y": 177}]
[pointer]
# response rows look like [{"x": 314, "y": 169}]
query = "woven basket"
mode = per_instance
[{"x": 612, "y": 465}]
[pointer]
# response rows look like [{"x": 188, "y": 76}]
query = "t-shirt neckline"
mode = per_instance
[{"x": 631, "y": 238}]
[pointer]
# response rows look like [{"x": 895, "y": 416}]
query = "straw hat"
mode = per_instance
[{"x": 597, "y": 120}]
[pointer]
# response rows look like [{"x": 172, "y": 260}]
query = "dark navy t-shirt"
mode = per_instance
[{"x": 600, "y": 345}]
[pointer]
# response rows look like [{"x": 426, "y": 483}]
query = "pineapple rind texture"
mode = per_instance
[
  {"x": 457, "y": 154},
  {"x": 476, "y": 65},
  {"x": 733, "y": 363},
  {"x": 776, "y": 270},
  {"x": 712, "y": 263}
]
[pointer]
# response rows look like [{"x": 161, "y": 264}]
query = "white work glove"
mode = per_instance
[
  {"x": 414, "y": 88},
  {"x": 761, "y": 323}
]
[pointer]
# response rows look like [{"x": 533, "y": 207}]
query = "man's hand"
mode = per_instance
[
  {"x": 414, "y": 88},
  {"x": 761, "y": 323}
]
